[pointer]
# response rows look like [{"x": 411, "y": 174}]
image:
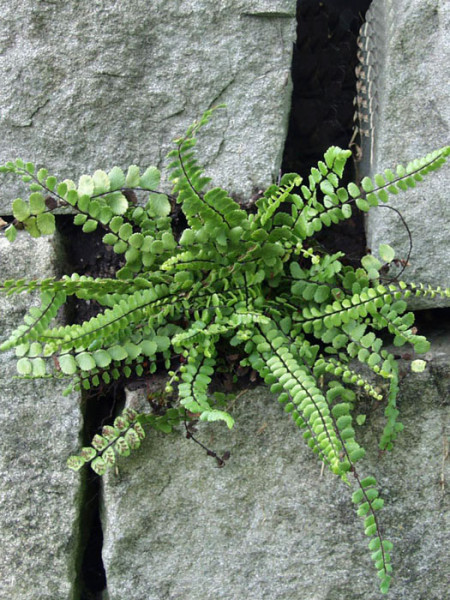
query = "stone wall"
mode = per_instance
[{"x": 87, "y": 85}]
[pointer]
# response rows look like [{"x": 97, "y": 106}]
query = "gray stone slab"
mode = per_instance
[
  {"x": 269, "y": 525},
  {"x": 410, "y": 53},
  {"x": 39, "y": 496},
  {"x": 87, "y": 85}
]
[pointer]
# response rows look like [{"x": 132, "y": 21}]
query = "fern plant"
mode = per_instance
[{"x": 255, "y": 280}]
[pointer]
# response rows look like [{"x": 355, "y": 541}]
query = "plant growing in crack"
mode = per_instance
[{"x": 256, "y": 281}]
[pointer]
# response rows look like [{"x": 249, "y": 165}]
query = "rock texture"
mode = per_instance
[
  {"x": 268, "y": 525},
  {"x": 39, "y": 497},
  {"x": 92, "y": 84},
  {"x": 411, "y": 55}
]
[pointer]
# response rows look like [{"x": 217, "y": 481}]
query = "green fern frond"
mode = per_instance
[{"x": 121, "y": 438}]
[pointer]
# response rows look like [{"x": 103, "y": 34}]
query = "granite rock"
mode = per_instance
[
  {"x": 92, "y": 84},
  {"x": 269, "y": 525},
  {"x": 39, "y": 497},
  {"x": 411, "y": 58}
]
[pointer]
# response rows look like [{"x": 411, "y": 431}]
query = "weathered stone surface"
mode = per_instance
[
  {"x": 412, "y": 59},
  {"x": 87, "y": 85},
  {"x": 39, "y": 497},
  {"x": 268, "y": 525}
]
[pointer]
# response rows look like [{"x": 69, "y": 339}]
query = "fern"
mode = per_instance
[{"x": 297, "y": 315}]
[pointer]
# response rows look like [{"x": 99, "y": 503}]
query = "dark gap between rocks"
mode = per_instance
[
  {"x": 433, "y": 321},
  {"x": 322, "y": 110},
  {"x": 97, "y": 411},
  {"x": 323, "y": 74},
  {"x": 85, "y": 254}
]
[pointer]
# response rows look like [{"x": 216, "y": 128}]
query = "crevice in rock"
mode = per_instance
[
  {"x": 433, "y": 321},
  {"x": 322, "y": 110},
  {"x": 91, "y": 574},
  {"x": 323, "y": 74},
  {"x": 87, "y": 255}
]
